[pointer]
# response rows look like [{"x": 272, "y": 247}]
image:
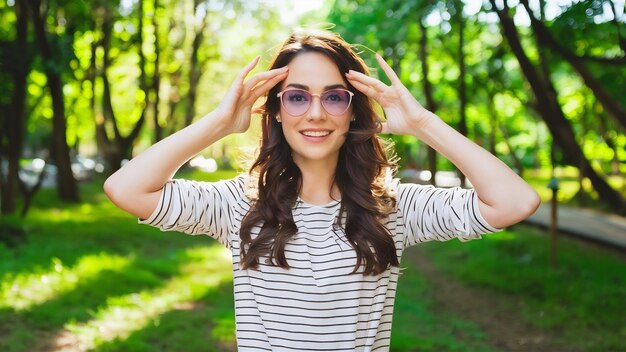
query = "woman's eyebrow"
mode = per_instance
[{"x": 305, "y": 87}]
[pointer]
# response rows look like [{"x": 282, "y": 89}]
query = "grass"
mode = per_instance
[
  {"x": 88, "y": 275},
  {"x": 419, "y": 325},
  {"x": 581, "y": 298}
]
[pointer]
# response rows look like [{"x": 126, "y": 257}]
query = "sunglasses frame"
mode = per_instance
[{"x": 280, "y": 97}]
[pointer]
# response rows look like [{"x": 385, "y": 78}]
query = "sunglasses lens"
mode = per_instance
[
  {"x": 336, "y": 101},
  {"x": 296, "y": 101}
]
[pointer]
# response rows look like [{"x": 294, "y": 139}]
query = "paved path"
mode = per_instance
[{"x": 589, "y": 224}]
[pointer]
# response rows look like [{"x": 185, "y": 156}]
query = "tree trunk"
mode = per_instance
[
  {"x": 66, "y": 183},
  {"x": 431, "y": 105},
  {"x": 545, "y": 38},
  {"x": 194, "y": 72},
  {"x": 493, "y": 123},
  {"x": 495, "y": 126},
  {"x": 462, "y": 87},
  {"x": 516, "y": 161},
  {"x": 156, "y": 79},
  {"x": 16, "y": 118},
  {"x": 117, "y": 148},
  {"x": 551, "y": 112},
  {"x": 609, "y": 140}
]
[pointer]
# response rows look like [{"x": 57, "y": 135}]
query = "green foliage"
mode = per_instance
[{"x": 391, "y": 28}]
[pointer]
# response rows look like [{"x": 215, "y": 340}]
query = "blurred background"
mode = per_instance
[{"x": 89, "y": 84}]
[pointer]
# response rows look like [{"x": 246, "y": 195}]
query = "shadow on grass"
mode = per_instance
[
  {"x": 207, "y": 324},
  {"x": 48, "y": 243},
  {"x": 21, "y": 330}
]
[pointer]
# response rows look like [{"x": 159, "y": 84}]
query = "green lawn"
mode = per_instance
[
  {"x": 582, "y": 298},
  {"x": 90, "y": 277}
]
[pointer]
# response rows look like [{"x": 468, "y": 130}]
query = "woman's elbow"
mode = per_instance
[
  {"x": 529, "y": 204},
  {"x": 111, "y": 188},
  {"x": 517, "y": 208},
  {"x": 524, "y": 206}
]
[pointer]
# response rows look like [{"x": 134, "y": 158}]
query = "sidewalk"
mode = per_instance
[{"x": 589, "y": 224}]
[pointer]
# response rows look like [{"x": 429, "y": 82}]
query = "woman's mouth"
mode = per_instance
[{"x": 315, "y": 133}]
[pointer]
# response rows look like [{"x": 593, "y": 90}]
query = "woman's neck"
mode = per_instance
[{"x": 318, "y": 183}]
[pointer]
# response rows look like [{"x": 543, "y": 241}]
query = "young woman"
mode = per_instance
[{"x": 318, "y": 226}]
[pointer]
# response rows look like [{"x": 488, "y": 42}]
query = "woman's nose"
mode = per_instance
[{"x": 316, "y": 111}]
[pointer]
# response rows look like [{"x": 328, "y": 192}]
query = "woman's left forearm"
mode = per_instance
[{"x": 504, "y": 197}]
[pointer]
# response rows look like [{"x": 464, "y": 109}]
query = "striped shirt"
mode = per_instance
[{"x": 317, "y": 304}]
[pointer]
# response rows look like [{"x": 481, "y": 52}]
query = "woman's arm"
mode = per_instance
[
  {"x": 504, "y": 197},
  {"x": 136, "y": 187}
]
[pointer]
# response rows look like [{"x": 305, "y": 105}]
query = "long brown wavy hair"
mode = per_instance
[{"x": 360, "y": 174}]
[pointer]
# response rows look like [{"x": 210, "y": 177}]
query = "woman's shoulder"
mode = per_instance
[
  {"x": 249, "y": 185},
  {"x": 243, "y": 185},
  {"x": 237, "y": 188}
]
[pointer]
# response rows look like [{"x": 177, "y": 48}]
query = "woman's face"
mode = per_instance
[{"x": 316, "y": 135}]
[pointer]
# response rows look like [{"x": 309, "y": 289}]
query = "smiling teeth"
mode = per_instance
[{"x": 316, "y": 133}]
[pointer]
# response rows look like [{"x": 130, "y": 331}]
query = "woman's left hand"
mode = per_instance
[{"x": 404, "y": 114}]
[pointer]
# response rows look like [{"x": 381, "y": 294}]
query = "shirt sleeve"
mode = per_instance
[
  {"x": 197, "y": 208},
  {"x": 440, "y": 214}
]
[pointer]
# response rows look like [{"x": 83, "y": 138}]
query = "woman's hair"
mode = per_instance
[{"x": 361, "y": 173}]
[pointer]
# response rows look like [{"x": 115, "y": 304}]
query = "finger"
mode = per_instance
[
  {"x": 364, "y": 88},
  {"x": 367, "y": 80},
  {"x": 388, "y": 70},
  {"x": 252, "y": 82},
  {"x": 267, "y": 85},
  {"x": 246, "y": 70}
]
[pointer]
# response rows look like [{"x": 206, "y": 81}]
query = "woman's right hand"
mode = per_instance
[{"x": 236, "y": 107}]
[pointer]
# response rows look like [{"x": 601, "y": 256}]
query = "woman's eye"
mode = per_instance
[
  {"x": 334, "y": 96},
  {"x": 297, "y": 97}
]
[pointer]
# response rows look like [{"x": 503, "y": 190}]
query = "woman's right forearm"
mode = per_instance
[{"x": 137, "y": 185}]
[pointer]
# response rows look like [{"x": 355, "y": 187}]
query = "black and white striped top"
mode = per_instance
[{"x": 316, "y": 305}]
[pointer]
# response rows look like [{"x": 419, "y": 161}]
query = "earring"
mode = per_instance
[
  {"x": 278, "y": 119},
  {"x": 353, "y": 118}
]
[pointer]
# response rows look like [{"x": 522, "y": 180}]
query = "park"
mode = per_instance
[{"x": 89, "y": 85}]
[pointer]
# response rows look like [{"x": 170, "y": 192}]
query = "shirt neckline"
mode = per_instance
[{"x": 332, "y": 203}]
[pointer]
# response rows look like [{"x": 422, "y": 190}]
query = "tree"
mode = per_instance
[
  {"x": 427, "y": 87},
  {"x": 462, "y": 125},
  {"x": 17, "y": 59},
  {"x": 547, "y": 40},
  {"x": 118, "y": 147},
  {"x": 54, "y": 65},
  {"x": 551, "y": 112}
]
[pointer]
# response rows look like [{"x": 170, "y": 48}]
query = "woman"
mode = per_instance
[{"x": 317, "y": 227}]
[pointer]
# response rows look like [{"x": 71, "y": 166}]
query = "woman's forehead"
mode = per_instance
[{"x": 313, "y": 70}]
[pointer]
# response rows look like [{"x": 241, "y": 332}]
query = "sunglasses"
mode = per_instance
[{"x": 296, "y": 102}]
